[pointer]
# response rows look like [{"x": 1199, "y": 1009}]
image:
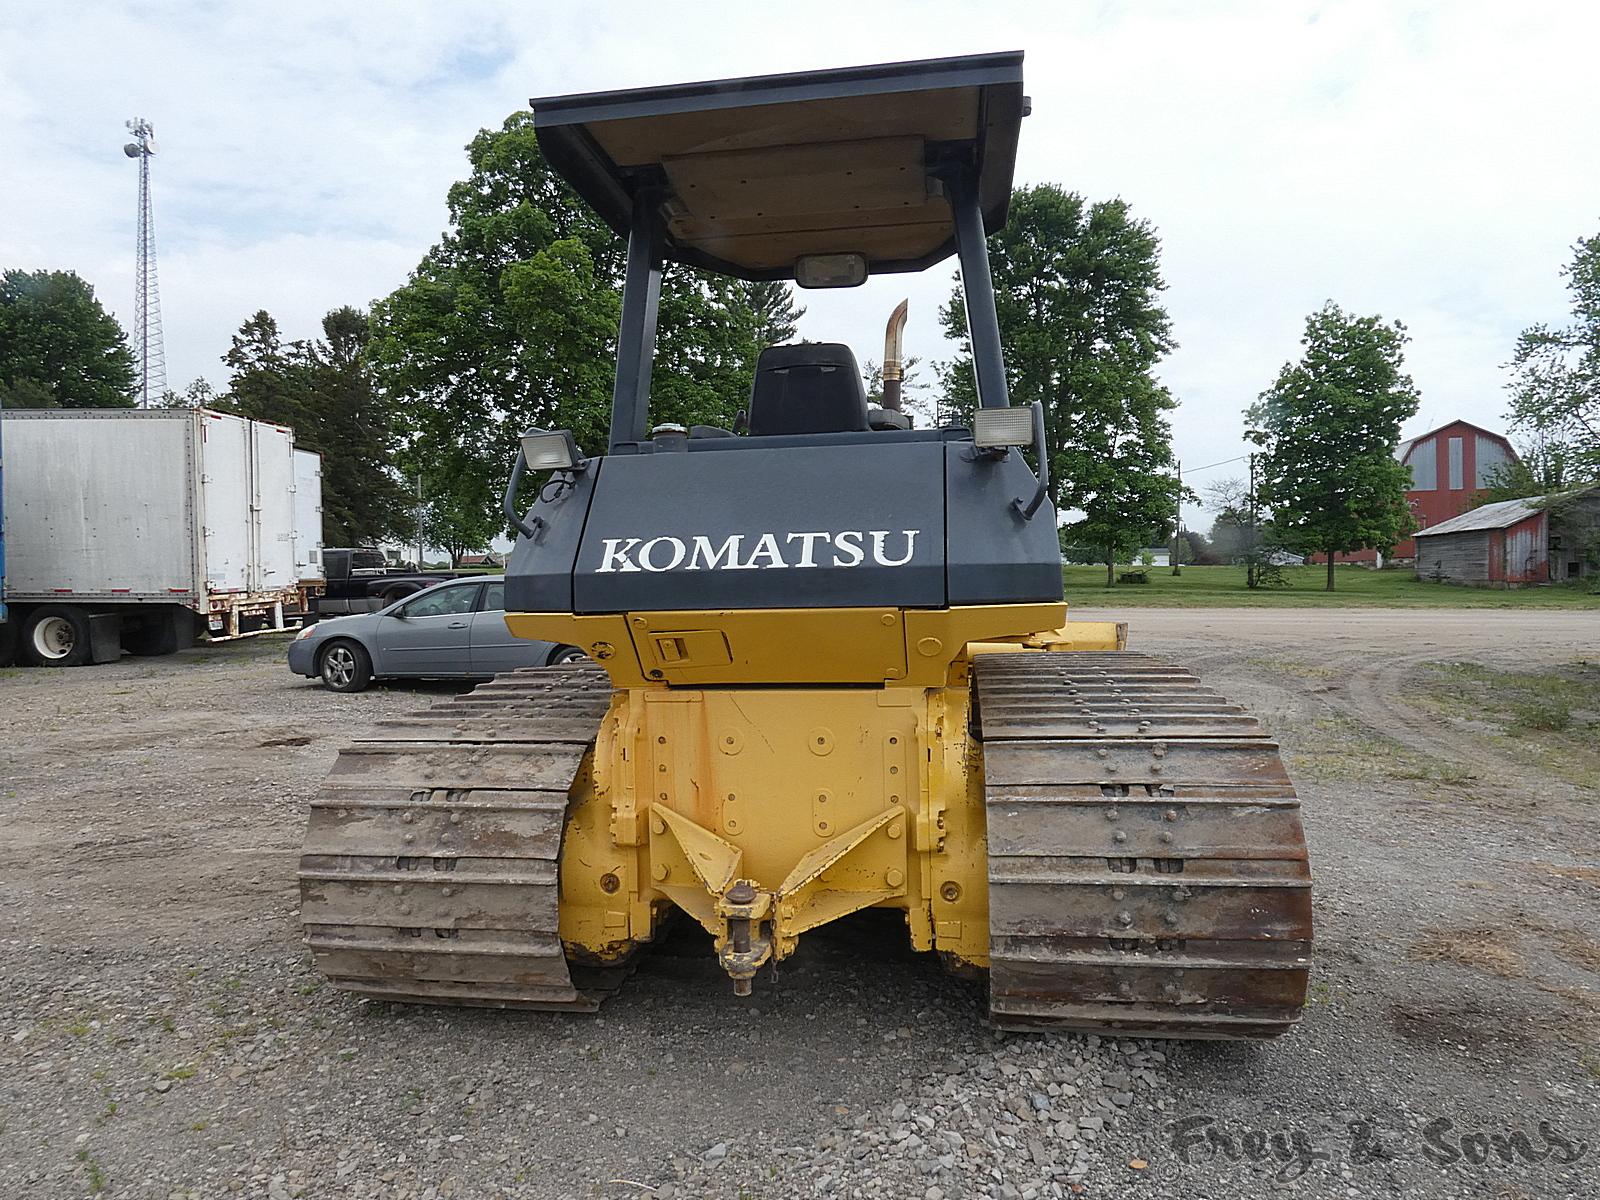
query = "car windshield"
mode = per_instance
[{"x": 444, "y": 602}]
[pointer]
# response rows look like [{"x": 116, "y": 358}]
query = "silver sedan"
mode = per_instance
[{"x": 453, "y": 630}]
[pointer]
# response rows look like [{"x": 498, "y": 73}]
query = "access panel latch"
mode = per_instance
[{"x": 690, "y": 648}]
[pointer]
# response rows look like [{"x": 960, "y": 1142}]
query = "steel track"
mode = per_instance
[
  {"x": 1147, "y": 867},
  {"x": 430, "y": 868}
]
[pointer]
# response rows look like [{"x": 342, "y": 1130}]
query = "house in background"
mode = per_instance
[
  {"x": 1449, "y": 466},
  {"x": 1514, "y": 543}
]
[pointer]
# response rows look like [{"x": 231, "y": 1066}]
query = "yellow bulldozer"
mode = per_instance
[{"x": 831, "y": 667}]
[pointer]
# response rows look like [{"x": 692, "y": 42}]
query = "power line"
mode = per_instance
[{"x": 1223, "y": 463}]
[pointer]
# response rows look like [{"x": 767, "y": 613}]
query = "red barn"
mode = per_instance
[{"x": 1449, "y": 465}]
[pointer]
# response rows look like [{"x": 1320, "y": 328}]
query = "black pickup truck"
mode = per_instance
[{"x": 360, "y": 579}]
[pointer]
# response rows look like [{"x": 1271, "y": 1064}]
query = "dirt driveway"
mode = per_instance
[{"x": 161, "y": 1032}]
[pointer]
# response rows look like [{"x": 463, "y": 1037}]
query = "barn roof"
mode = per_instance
[
  {"x": 1403, "y": 450},
  {"x": 1491, "y": 516}
]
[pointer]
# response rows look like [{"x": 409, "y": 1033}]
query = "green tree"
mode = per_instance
[
  {"x": 506, "y": 323},
  {"x": 1242, "y": 536},
  {"x": 461, "y": 510},
  {"x": 58, "y": 347},
  {"x": 199, "y": 394},
  {"x": 1555, "y": 385},
  {"x": 509, "y": 322},
  {"x": 267, "y": 382},
  {"x": 1329, "y": 426},
  {"x": 774, "y": 318},
  {"x": 710, "y": 332},
  {"x": 1194, "y": 547},
  {"x": 352, "y": 427},
  {"x": 1236, "y": 529},
  {"x": 1078, "y": 292},
  {"x": 323, "y": 389}
]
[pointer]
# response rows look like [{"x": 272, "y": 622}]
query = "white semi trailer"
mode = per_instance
[
  {"x": 308, "y": 520},
  {"x": 141, "y": 530}
]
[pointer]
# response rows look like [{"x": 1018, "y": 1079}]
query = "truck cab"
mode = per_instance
[{"x": 361, "y": 579}]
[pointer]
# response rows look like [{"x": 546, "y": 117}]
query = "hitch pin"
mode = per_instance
[{"x": 739, "y": 931}]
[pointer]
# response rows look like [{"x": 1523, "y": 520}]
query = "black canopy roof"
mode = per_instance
[{"x": 751, "y": 174}]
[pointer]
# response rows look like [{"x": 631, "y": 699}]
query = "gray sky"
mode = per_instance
[{"x": 1432, "y": 163}]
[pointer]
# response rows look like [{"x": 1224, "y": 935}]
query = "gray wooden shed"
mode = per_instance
[{"x": 1514, "y": 543}]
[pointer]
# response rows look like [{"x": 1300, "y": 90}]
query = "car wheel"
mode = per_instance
[
  {"x": 345, "y": 666},
  {"x": 56, "y": 637},
  {"x": 566, "y": 654}
]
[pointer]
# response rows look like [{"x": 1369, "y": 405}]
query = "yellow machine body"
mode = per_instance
[{"x": 769, "y": 771}]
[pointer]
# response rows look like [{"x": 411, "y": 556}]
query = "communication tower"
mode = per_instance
[{"x": 147, "y": 298}]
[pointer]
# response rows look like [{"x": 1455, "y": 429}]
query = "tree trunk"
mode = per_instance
[
  {"x": 1111, "y": 569},
  {"x": 1330, "y": 570}
]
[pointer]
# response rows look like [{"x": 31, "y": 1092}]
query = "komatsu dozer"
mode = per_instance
[{"x": 831, "y": 666}]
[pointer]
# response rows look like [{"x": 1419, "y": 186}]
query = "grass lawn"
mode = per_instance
[{"x": 1354, "y": 587}]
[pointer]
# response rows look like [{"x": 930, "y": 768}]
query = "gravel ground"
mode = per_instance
[{"x": 162, "y": 1034}]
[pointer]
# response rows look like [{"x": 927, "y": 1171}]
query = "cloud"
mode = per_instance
[{"x": 1430, "y": 163}]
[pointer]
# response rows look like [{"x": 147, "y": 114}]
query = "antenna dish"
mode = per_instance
[
  {"x": 150, "y": 145},
  {"x": 131, "y": 149}
]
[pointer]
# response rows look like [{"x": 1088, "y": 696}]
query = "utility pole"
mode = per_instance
[
  {"x": 147, "y": 298},
  {"x": 1252, "y": 566},
  {"x": 1177, "y": 524},
  {"x": 420, "y": 565}
]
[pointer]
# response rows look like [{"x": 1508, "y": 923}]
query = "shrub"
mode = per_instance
[{"x": 1547, "y": 715}]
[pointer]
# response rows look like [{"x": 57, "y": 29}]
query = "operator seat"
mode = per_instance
[{"x": 812, "y": 387}]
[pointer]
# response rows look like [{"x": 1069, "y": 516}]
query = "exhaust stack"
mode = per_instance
[{"x": 892, "y": 337}]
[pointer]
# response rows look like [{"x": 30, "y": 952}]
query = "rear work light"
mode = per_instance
[
  {"x": 993, "y": 428},
  {"x": 998, "y": 429},
  {"x": 550, "y": 450},
  {"x": 541, "y": 450}
]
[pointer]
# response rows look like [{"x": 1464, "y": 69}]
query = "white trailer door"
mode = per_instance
[
  {"x": 272, "y": 506},
  {"x": 225, "y": 492},
  {"x": 98, "y": 505},
  {"x": 307, "y": 515}
]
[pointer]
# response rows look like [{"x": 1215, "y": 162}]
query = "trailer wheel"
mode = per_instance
[
  {"x": 345, "y": 666},
  {"x": 56, "y": 637},
  {"x": 8, "y": 643}
]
